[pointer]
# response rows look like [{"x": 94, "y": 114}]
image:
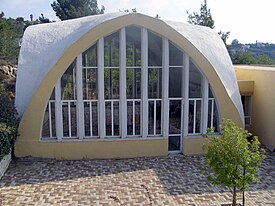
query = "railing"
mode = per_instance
[
  {"x": 155, "y": 117},
  {"x": 92, "y": 130},
  {"x": 68, "y": 103},
  {"x": 134, "y": 101},
  {"x": 112, "y": 116},
  {"x": 194, "y": 115}
]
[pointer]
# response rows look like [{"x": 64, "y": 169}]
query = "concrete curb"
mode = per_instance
[{"x": 4, "y": 164}]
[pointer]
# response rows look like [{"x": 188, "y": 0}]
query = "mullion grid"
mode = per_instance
[
  {"x": 194, "y": 123},
  {"x": 68, "y": 103}
]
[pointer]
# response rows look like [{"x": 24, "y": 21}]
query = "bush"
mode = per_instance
[
  {"x": 8, "y": 122},
  {"x": 231, "y": 159}
]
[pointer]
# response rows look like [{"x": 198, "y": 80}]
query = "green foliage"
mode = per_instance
[
  {"x": 204, "y": 18},
  {"x": 70, "y": 9},
  {"x": 9, "y": 40},
  {"x": 8, "y": 122},
  {"x": 244, "y": 58},
  {"x": 229, "y": 155}
]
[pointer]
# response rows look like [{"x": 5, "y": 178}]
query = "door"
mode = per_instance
[{"x": 175, "y": 124}]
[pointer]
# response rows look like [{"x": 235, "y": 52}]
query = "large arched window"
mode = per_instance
[{"x": 133, "y": 83}]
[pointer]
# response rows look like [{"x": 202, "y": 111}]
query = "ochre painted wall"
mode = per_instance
[
  {"x": 246, "y": 87},
  {"x": 93, "y": 148},
  {"x": 263, "y": 101},
  {"x": 28, "y": 143}
]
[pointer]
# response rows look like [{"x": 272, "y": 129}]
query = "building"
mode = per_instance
[
  {"x": 122, "y": 85},
  {"x": 256, "y": 85}
]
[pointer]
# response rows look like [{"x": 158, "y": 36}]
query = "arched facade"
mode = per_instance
[{"x": 126, "y": 87}]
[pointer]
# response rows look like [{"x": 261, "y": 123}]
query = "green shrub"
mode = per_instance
[{"x": 8, "y": 122}]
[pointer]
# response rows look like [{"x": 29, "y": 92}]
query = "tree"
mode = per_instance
[
  {"x": 42, "y": 19},
  {"x": 70, "y": 9},
  {"x": 242, "y": 57},
  {"x": 224, "y": 36},
  {"x": 228, "y": 156},
  {"x": 9, "y": 40},
  {"x": 204, "y": 18}
]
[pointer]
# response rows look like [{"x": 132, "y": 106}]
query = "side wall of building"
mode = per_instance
[{"x": 263, "y": 101}]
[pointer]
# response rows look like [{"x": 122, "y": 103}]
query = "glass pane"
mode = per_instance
[
  {"x": 151, "y": 117},
  {"x": 87, "y": 122},
  {"x": 137, "y": 118},
  {"x": 154, "y": 83},
  {"x": 198, "y": 117},
  {"x": 46, "y": 123},
  {"x": 195, "y": 78},
  {"x": 111, "y": 83},
  {"x": 89, "y": 76},
  {"x": 111, "y": 50},
  {"x": 210, "y": 93},
  {"x": 133, "y": 46},
  {"x": 116, "y": 118},
  {"x": 158, "y": 117},
  {"x": 175, "y": 82},
  {"x": 154, "y": 49},
  {"x": 73, "y": 119},
  {"x": 130, "y": 130},
  {"x": 246, "y": 105},
  {"x": 68, "y": 83},
  {"x": 108, "y": 118},
  {"x": 133, "y": 83},
  {"x": 175, "y": 56},
  {"x": 216, "y": 118},
  {"x": 175, "y": 117},
  {"x": 53, "y": 119},
  {"x": 95, "y": 118},
  {"x": 89, "y": 57},
  {"x": 174, "y": 143},
  {"x": 49, "y": 118},
  {"x": 210, "y": 102},
  {"x": 65, "y": 119},
  {"x": 52, "y": 97},
  {"x": 191, "y": 116}
]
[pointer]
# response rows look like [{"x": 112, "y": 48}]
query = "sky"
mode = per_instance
[{"x": 247, "y": 20}]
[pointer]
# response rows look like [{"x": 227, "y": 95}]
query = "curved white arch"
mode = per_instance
[{"x": 43, "y": 46}]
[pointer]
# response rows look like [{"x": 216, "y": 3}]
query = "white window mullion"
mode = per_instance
[
  {"x": 205, "y": 88},
  {"x": 50, "y": 118},
  {"x": 112, "y": 117},
  {"x": 155, "y": 116},
  {"x": 69, "y": 118},
  {"x": 165, "y": 81},
  {"x": 144, "y": 81},
  {"x": 212, "y": 112},
  {"x": 122, "y": 74},
  {"x": 91, "y": 118},
  {"x": 80, "y": 104},
  {"x": 194, "y": 115},
  {"x": 101, "y": 103},
  {"x": 185, "y": 93},
  {"x": 58, "y": 111},
  {"x": 134, "y": 111}
]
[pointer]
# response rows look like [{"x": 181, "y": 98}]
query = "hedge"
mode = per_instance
[{"x": 8, "y": 122}]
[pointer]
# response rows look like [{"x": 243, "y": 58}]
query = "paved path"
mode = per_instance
[{"x": 173, "y": 180}]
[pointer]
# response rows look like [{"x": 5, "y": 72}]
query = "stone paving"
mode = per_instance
[{"x": 172, "y": 180}]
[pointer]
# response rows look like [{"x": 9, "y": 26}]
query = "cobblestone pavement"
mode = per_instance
[{"x": 172, "y": 180}]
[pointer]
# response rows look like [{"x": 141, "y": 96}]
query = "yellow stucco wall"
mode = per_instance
[
  {"x": 93, "y": 149},
  {"x": 263, "y": 101},
  {"x": 192, "y": 145},
  {"x": 246, "y": 87},
  {"x": 29, "y": 129}
]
